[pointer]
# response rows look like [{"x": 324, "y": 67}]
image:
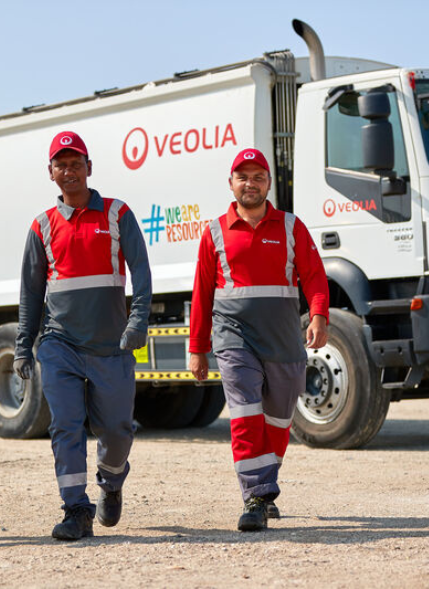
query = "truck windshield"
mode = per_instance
[{"x": 422, "y": 99}]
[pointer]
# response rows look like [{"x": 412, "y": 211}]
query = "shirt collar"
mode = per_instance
[
  {"x": 95, "y": 203},
  {"x": 271, "y": 214}
]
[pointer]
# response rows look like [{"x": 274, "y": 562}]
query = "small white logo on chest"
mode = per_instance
[
  {"x": 102, "y": 231},
  {"x": 270, "y": 241}
]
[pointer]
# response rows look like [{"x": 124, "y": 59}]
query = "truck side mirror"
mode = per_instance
[
  {"x": 377, "y": 135},
  {"x": 377, "y": 141}
]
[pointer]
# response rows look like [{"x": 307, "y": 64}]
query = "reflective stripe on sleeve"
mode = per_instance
[
  {"x": 82, "y": 282},
  {"x": 71, "y": 480},
  {"x": 114, "y": 234},
  {"x": 290, "y": 243},
  {"x": 245, "y": 410},
  {"x": 45, "y": 228},
  {"x": 112, "y": 469},
  {"x": 277, "y": 422},
  {"x": 255, "y": 463},
  {"x": 217, "y": 236}
]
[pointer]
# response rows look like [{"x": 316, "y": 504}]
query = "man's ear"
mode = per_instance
[
  {"x": 230, "y": 182},
  {"x": 89, "y": 166},
  {"x": 50, "y": 173}
]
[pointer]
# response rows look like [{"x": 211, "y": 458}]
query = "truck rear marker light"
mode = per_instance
[
  {"x": 412, "y": 80},
  {"x": 416, "y": 304}
]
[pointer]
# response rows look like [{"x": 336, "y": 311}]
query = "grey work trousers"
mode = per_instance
[{"x": 78, "y": 386}]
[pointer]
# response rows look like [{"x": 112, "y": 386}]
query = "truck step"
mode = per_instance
[
  {"x": 393, "y": 352},
  {"x": 389, "y": 307},
  {"x": 412, "y": 380}
]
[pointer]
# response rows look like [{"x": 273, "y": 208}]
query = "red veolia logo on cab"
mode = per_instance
[
  {"x": 329, "y": 207},
  {"x": 135, "y": 148}
]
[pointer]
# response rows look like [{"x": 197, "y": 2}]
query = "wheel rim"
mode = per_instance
[
  {"x": 326, "y": 388},
  {"x": 12, "y": 388}
]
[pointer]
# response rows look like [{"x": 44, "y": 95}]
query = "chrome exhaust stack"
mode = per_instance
[{"x": 315, "y": 48}]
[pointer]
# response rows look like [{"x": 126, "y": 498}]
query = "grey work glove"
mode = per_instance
[
  {"x": 132, "y": 339},
  {"x": 24, "y": 367}
]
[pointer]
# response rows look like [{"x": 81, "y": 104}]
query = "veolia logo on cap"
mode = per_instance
[
  {"x": 249, "y": 156},
  {"x": 66, "y": 140}
]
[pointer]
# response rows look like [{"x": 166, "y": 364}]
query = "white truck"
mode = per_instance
[{"x": 350, "y": 157}]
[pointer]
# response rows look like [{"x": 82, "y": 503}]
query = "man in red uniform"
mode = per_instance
[
  {"x": 246, "y": 288},
  {"x": 76, "y": 254}
]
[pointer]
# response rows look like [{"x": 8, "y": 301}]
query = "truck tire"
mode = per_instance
[
  {"x": 211, "y": 407},
  {"x": 24, "y": 412},
  {"x": 167, "y": 408},
  {"x": 344, "y": 404}
]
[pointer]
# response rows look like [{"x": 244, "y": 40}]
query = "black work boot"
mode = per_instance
[
  {"x": 254, "y": 515},
  {"x": 77, "y": 524},
  {"x": 273, "y": 511},
  {"x": 109, "y": 508}
]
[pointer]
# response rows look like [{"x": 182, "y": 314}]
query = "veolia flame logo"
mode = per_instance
[
  {"x": 135, "y": 148},
  {"x": 329, "y": 207},
  {"x": 66, "y": 140}
]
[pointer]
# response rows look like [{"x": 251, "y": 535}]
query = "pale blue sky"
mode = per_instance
[{"x": 56, "y": 50}]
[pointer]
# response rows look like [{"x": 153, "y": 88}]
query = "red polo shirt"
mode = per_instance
[{"x": 248, "y": 280}]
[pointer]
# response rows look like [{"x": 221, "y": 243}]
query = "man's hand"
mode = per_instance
[
  {"x": 132, "y": 339},
  {"x": 199, "y": 366},
  {"x": 317, "y": 332},
  {"x": 24, "y": 367}
]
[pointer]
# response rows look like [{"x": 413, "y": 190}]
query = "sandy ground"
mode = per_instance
[{"x": 350, "y": 518}]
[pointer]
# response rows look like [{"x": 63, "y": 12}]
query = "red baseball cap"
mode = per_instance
[
  {"x": 67, "y": 140},
  {"x": 250, "y": 155}
]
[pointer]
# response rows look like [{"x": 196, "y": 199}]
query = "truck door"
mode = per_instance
[{"x": 378, "y": 230}]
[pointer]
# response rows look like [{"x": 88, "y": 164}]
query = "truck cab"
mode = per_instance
[{"x": 365, "y": 140}]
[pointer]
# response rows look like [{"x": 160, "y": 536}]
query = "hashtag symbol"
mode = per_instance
[{"x": 154, "y": 222}]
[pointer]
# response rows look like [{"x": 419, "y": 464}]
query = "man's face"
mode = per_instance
[
  {"x": 250, "y": 184},
  {"x": 69, "y": 169}
]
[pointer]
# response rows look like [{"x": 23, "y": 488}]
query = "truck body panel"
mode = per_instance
[{"x": 184, "y": 136}]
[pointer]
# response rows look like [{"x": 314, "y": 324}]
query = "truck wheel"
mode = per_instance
[
  {"x": 24, "y": 412},
  {"x": 344, "y": 404},
  {"x": 170, "y": 408},
  {"x": 211, "y": 407}
]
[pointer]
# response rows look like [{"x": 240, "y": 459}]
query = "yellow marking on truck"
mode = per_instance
[
  {"x": 142, "y": 355},
  {"x": 179, "y": 375},
  {"x": 165, "y": 331}
]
